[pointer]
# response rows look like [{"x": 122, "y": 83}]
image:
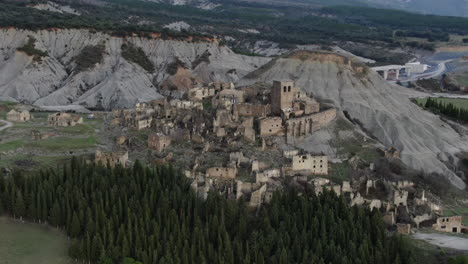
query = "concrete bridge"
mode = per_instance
[{"x": 393, "y": 72}]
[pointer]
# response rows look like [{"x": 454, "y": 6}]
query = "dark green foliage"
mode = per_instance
[
  {"x": 421, "y": 45},
  {"x": 136, "y": 55},
  {"x": 295, "y": 26},
  {"x": 447, "y": 109},
  {"x": 430, "y": 84},
  {"x": 435, "y": 26},
  {"x": 152, "y": 215},
  {"x": 429, "y": 35},
  {"x": 459, "y": 260},
  {"x": 89, "y": 56},
  {"x": 30, "y": 49}
]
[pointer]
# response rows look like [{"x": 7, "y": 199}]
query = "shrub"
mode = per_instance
[
  {"x": 30, "y": 49},
  {"x": 137, "y": 55},
  {"x": 89, "y": 56}
]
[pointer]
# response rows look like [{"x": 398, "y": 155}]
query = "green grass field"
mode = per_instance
[
  {"x": 64, "y": 143},
  {"x": 24, "y": 243},
  {"x": 462, "y": 79},
  {"x": 461, "y": 103},
  {"x": 11, "y": 145},
  {"x": 339, "y": 172}
]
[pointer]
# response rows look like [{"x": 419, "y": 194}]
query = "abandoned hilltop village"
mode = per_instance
[{"x": 239, "y": 141}]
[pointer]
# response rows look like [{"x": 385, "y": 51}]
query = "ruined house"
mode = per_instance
[
  {"x": 251, "y": 110},
  {"x": 16, "y": 116},
  {"x": 200, "y": 93},
  {"x": 37, "y": 135},
  {"x": 143, "y": 123},
  {"x": 229, "y": 97},
  {"x": 452, "y": 224},
  {"x": 121, "y": 140},
  {"x": 404, "y": 229},
  {"x": 270, "y": 126},
  {"x": 266, "y": 175},
  {"x": 111, "y": 158},
  {"x": 64, "y": 119},
  {"x": 159, "y": 142},
  {"x": 390, "y": 153},
  {"x": 400, "y": 198},
  {"x": 222, "y": 172},
  {"x": 256, "y": 199},
  {"x": 317, "y": 165}
]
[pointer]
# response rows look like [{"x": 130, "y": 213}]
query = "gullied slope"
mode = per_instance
[
  {"x": 113, "y": 82},
  {"x": 384, "y": 110}
]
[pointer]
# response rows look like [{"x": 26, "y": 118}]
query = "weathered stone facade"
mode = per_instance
[
  {"x": 271, "y": 126},
  {"x": 64, "y": 119},
  {"x": 159, "y": 142},
  {"x": 16, "y": 116},
  {"x": 282, "y": 96},
  {"x": 222, "y": 172},
  {"x": 452, "y": 224},
  {"x": 143, "y": 123},
  {"x": 305, "y": 125},
  {"x": 37, "y": 135},
  {"x": 111, "y": 158},
  {"x": 317, "y": 165},
  {"x": 251, "y": 110}
]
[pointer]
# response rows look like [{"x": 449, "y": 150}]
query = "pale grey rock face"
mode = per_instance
[
  {"x": 384, "y": 110},
  {"x": 112, "y": 83}
]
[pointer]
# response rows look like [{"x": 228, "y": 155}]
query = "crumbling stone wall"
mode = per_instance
[
  {"x": 222, "y": 172},
  {"x": 111, "y": 158},
  {"x": 251, "y": 110},
  {"x": 451, "y": 224},
  {"x": 317, "y": 165},
  {"x": 271, "y": 126},
  {"x": 159, "y": 142},
  {"x": 15, "y": 116}
]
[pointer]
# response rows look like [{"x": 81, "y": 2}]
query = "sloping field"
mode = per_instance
[{"x": 23, "y": 243}]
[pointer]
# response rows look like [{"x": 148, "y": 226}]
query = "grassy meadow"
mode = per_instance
[
  {"x": 25, "y": 243},
  {"x": 19, "y": 149}
]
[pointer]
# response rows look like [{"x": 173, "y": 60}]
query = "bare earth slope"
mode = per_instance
[
  {"x": 114, "y": 82},
  {"x": 384, "y": 110}
]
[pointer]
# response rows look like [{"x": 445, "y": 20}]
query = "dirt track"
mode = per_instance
[
  {"x": 442, "y": 240},
  {"x": 6, "y": 125}
]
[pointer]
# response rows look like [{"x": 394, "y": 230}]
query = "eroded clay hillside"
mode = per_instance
[
  {"x": 53, "y": 78},
  {"x": 383, "y": 111}
]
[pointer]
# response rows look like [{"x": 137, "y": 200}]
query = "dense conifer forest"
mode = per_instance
[
  {"x": 151, "y": 215},
  {"x": 448, "y": 109}
]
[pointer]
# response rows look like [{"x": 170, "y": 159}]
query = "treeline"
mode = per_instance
[
  {"x": 109, "y": 19},
  {"x": 151, "y": 215},
  {"x": 397, "y": 19},
  {"x": 447, "y": 109},
  {"x": 429, "y": 35}
]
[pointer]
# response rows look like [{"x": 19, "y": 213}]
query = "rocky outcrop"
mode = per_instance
[
  {"x": 114, "y": 82},
  {"x": 382, "y": 110}
]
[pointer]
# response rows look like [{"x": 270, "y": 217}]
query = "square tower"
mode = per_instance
[{"x": 282, "y": 95}]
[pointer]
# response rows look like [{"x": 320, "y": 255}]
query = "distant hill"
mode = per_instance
[{"x": 437, "y": 7}]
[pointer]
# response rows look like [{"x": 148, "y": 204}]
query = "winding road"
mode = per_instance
[
  {"x": 441, "y": 69},
  {"x": 6, "y": 125}
]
